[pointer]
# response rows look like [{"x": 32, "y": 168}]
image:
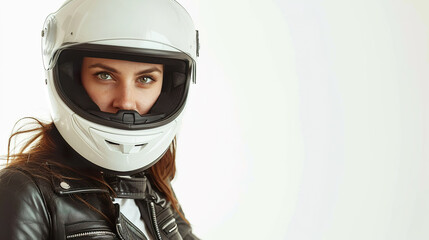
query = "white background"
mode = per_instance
[{"x": 309, "y": 119}]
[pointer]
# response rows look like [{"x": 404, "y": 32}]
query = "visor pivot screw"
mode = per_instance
[
  {"x": 64, "y": 185},
  {"x": 71, "y": 33}
]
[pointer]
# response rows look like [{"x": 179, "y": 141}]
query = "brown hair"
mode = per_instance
[{"x": 42, "y": 148}]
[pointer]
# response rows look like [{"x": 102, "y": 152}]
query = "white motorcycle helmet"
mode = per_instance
[{"x": 151, "y": 31}]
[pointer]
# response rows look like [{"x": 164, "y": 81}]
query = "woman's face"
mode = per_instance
[{"x": 122, "y": 85}]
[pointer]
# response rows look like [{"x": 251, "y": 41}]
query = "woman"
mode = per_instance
[{"x": 118, "y": 74}]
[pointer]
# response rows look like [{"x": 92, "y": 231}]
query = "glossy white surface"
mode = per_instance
[{"x": 80, "y": 21}]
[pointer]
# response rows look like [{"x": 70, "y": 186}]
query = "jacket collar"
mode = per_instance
[
  {"x": 72, "y": 182},
  {"x": 129, "y": 187}
]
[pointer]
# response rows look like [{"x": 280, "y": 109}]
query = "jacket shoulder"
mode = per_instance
[{"x": 23, "y": 212}]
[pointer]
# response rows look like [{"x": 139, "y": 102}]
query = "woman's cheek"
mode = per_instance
[{"x": 99, "y": 95}]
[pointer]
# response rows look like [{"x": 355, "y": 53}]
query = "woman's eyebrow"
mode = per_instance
[
  {"x": 149, "y": 70},
  {"x": 100, "y": 65}
]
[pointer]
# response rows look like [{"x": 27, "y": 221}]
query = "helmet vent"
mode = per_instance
[
  {"x": 125, "y": 148},
  {"x": 113, "y": 143}
]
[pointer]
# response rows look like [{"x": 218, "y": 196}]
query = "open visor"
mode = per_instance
[{"x": 176, "y": 80}]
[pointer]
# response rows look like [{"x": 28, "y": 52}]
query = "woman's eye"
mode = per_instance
[
  {"x": 104, "y": 76},
  {"x": 145, "y": 80}
]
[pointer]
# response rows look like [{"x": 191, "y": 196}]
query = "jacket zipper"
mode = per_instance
[
  {"x": 90, "y": 234},
  {"x": 155, "y": 224}
]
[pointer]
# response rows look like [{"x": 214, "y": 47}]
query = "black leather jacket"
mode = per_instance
[{"x": 35, "y": 208}]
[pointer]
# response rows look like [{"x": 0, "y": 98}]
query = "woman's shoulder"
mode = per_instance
[
  {"x": 15, "y": 175},
  {"x": 21, "y": 201},
  {"x": 15, "y": 181},
  {"x": 23, "y": 173},
  {"x": 48, "y": 178},
  {"x": 27, "y": 181}
]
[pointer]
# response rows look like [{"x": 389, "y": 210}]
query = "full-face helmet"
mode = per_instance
[{"x": 150, "y": 31}]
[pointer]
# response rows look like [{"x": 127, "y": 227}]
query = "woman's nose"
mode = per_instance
[{"x": 124, "y": 98}]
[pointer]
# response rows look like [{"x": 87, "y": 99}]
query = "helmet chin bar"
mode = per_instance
[{"x": 128, "y": 116}]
